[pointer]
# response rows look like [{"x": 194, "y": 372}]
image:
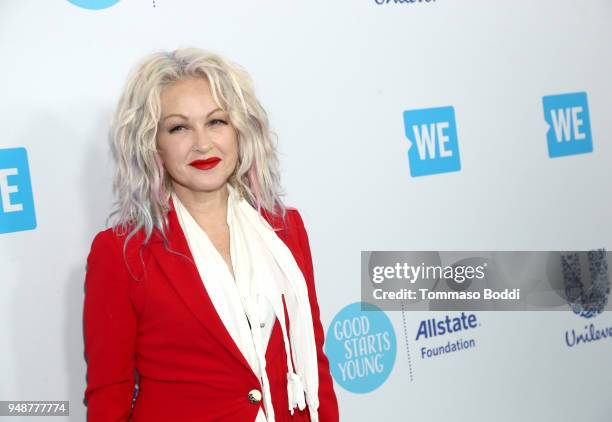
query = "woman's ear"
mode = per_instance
[{"x": 159, "y": 162}]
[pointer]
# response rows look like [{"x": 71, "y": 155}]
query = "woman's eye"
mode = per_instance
[
  {"x": 176, "y": 128},
  {"x": 215, "y": 122}
]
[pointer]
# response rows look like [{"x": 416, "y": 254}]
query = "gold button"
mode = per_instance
[{"x": 254, "y": 396}]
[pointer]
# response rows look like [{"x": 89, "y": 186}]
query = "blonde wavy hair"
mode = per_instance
[{"x": 141, "y": 186}]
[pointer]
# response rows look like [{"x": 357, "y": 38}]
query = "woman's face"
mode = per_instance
[{"x": 195, "y": 139}]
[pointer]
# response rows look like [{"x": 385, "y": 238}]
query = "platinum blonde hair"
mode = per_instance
[{"x": 142, "y": 188}]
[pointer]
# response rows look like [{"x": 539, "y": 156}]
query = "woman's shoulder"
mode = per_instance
[
  {"x": 119, "y": 235},
  {"x": 119, "y": 247},
  {"x": 295, "y": 215},
  {"x": 296, "y": 224},
  {"x": 117, "y": 240},
  {"x": 297, "y": 240},
  {"x": 292, "y": 231},
  {"x": 288, "y": 224}
]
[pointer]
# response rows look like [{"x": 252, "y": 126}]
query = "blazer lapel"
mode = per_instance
[
  {"x": 276, "y": 343},
  {"x": 179, "y": 267}
]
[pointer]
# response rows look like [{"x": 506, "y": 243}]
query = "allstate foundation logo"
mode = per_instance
[
  {"x": 569, "y": 131},
  {"x": 361, "y": 347},
  {"x": 16, "y": 202},
  {"x": 433, "y": 146},
  {"x": 441, "y": 327},
  {"x": 94, "y": 4}
]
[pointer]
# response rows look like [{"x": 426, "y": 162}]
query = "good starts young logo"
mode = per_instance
[{"x": 361, "y": 347}]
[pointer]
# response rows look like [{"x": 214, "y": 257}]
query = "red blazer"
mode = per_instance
[{"x": 151, "y": 313}]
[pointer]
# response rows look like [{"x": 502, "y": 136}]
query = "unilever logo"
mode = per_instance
[
  {"x": 361, "y": 348},
  {"x": 588, "y": 335},
  {"x": 94, "y": 4},
  {"x": 16, "y": 201},
  {"x": 569, "y": 130},
  {"x": 587, "y": 302},
  {"x": 433, "y": 146},
  {"x": 591, "y": 301}
]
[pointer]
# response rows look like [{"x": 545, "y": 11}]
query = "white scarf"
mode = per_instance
[{"x": 264, "y": 269}]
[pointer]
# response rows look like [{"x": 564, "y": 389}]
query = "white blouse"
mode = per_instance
[
  {"x": 265, "y": 273},
  {"x": 247, "y": 315}
]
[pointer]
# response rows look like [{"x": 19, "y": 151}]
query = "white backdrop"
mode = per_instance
[{"x": 335, "y": 78}]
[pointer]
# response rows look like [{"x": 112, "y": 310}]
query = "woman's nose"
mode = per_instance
[{"x": 202, "y": 140}]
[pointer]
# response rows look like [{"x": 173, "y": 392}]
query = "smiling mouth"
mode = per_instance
[{"x": 205, "y": 164}]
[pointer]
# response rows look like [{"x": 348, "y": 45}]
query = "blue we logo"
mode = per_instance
[
  {"x": 433, "y": 146},
  {"x": 16, "y": 201},
  {"x": 94, "y": 4},
  {"x": 569, "y": 131}
]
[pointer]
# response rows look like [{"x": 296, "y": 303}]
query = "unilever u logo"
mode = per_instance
[
  {"x": 16, "y": 202},
  {"x": 569, "y": 130},
  {"x": 94, "y": 4},
  {"x": 587, "y": 302},
  {"x": 433, "y": 146}
]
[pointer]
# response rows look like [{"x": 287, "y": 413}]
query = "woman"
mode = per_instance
[{"x": 202, "y": 291}]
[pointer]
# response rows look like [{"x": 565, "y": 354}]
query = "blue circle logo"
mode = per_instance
[
  {"x": 94, "y": 4},
  {"x": 361, "y": 348}
]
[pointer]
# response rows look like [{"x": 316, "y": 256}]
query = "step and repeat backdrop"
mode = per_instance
[{"x": 403, "y": 125}]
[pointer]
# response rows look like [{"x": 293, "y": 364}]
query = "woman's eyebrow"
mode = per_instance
[
  {"x": 185, "y": 117},
  {"x": 174, "y": 115}
]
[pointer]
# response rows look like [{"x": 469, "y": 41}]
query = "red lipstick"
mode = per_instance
[{"x": 205, "y": 164}]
